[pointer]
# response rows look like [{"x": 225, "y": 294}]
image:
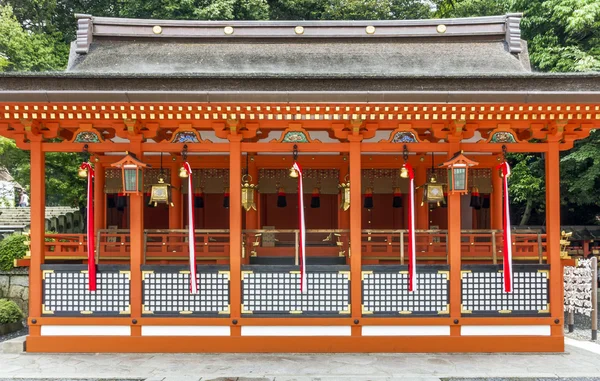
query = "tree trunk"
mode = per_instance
[{"x": 527, "y": 213}]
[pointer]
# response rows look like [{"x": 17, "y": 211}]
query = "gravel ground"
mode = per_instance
[
  {"x": 20, "y": 332},
  {"x": 520, "y": 379}
]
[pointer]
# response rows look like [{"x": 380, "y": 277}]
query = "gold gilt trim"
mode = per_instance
[
  {"x": 445, "y": 272},
  {"x": 46, "y": 311},
  {"x": 445, "y": 311},
  {"x": 504, "y": 311},
  {"x": 403, "y": 272},
  {"x": 226, "y": 311},
  {"x": 295, "y": 312},
  {"x": 365, "y": 311},
  {"x": 545, "y": 271},
  {"x": 246, "y": 272},
  {"x": 545, "y": 310},
  {"x": 347, "y": 311},
  {"x": 145, "y": 311},
  {"x": 185, "y": 312},
  {"x": 463, "y": 310},
  {"x": 127, "y": 311},
  {"x": 86, "y": 312},
  {"x": 345, "y": 273},
  {"x": 148, "y": 272},
  {"x": 83, "y": 271},
  {"x": 363, "y": 273},
  {"x": 184, "y": 271},
  {"x": 126, "y": 272},
  {"x": 225, "y": 273},
  {"x": 463, "y": 272},
  {"x": 46, "y": 272},
  {"x": 295, "y": 272},
  {"x": 405, "y": 312},
  {"x": 245, "y": 311}
]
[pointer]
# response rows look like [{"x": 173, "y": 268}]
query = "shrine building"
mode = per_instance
[{"x": 297, "y": 186}]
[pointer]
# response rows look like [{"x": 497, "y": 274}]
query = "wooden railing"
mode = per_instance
[
  {"x": 477, "y": 246},
  {"x": 172, "y": 246},
  {"x": 377, "y": 246},
  {"x": 284, "y": 243}
]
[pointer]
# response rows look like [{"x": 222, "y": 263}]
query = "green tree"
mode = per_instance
[
  {"x": 22, "y": 50},
  {"x": 526, "y": 185},
  {"x": 563, "y": 35}
]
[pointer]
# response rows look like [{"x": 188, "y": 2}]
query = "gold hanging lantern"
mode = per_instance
[
  {"x": 433, "y": 193},
  {"x": 161, "y": 193},
  {"x": 248, "y": 193},
  {"x": 344, "y": 188}
]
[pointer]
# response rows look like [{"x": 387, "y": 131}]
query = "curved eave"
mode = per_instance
[{"x": 500, "y": 88}]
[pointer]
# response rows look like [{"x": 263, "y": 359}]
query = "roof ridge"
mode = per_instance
[{"x": 507, "y": 26}]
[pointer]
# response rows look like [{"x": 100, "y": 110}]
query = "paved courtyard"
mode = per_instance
[{"x": 581, "y": 360}]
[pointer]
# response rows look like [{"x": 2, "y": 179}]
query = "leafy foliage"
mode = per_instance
[
  {"x": 10, "y": 312},
  {"x": 21, "y": 50},
  {"x": 11, "y": 248},
  {"x": 563, "y": 35}
]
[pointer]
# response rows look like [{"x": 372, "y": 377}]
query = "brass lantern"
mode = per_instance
[
  {"x": 132, "y": 173},
  {"x": 433, "y": 193},
  {"x": 160, "y": 193},
  {"x": 458, "y": 172},
  {"x": 344, "y": 188},
  {"x": 248, "y": 193}
]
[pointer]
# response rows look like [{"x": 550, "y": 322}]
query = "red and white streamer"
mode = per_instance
[
  {"x": 506, "y": 234},
  {"x": 90, "y": 226},
  {"x": 191, "y": 229},
  {"x": 302, "y": 239},
  {"x": 412, "y": 256}
]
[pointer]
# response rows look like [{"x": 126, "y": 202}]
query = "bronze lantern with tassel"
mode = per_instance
[{"x": 248, "y": 190}]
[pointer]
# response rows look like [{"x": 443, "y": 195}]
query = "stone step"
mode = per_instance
[{"x": 13, "y": 346}]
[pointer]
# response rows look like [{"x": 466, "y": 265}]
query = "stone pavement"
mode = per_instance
[{"x": 575, "y": 362}]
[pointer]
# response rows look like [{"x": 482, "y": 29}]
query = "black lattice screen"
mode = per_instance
[
  {"x": 276, "y": 290},
  {"x": 66, "y": 293},
  {"x": 166, "y": 291},
  {"x": 483, "y": 291},
  {"x": 385, "y": 291}
]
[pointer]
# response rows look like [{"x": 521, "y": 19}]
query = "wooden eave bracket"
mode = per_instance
[
  {"x": 357, "y": 128},
  {"x": 233, "y": 127}
]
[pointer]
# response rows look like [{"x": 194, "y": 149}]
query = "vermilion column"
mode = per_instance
[
  {"x": 99, "y": 197},
  {"x": 136, "y": 232},
  {"x": 355, "y": 231},
  {"x": 553, "y": 235},
  {"x": 37, "y": 231},
  {"x": 175, "y": 219},
  {"x": 454, "y": 251},
  {"x": 235, "y": 229}
]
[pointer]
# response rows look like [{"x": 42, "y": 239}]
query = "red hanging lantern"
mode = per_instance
[
  {"x": 368, "y": 204},
  {"x": 315, "y": 200},
  {"x": 397, "y": 201}
]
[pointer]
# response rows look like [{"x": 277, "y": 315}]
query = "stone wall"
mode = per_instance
[{"x": 14, "y": 285}]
